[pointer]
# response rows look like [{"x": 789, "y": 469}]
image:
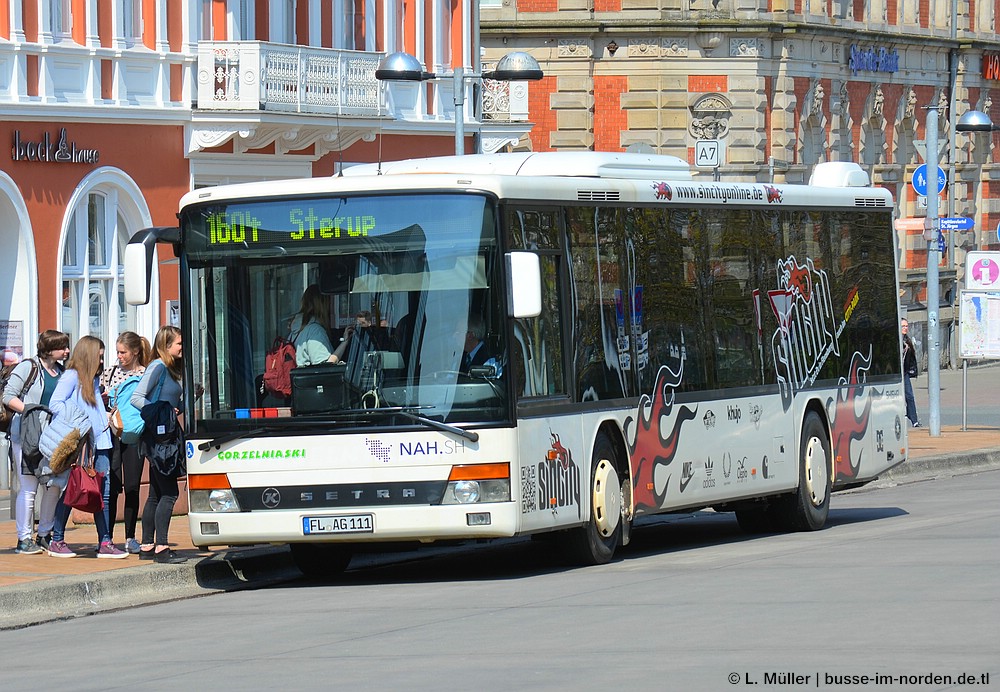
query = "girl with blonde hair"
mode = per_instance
[
  {"x": 162, "y": 381},
  {"x": 80, "y": 385}
]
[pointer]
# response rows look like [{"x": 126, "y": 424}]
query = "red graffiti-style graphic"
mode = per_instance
[
  {"x": 847, "y": 424},
  {"x": 799, "y": 280},
  {"x": 773, "y": 194},
  {"x": 558, "y": 452},
  {"x": 662, "y": 191},
  {"x": 651, "y": 449}
]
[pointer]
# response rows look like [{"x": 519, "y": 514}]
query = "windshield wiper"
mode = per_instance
[
  {"x": 222, "y": 439},
  {"x": 408, "y": 412},
  {"x": 217, "y": 442},
  {"x": 470, "y": 435}
]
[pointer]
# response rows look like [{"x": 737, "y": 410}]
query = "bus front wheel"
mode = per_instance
[
  {"x": 596, "y": 542},
  {"x": 809, "y": 506},
  {"x": 321, "y": 560}
]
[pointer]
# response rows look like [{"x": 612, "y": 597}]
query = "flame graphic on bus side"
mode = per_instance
[
  {"x": 652, "y": 449},
  {"x": 847, "y": 424}
]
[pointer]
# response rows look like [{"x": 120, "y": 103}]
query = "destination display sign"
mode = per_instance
[
  {"x": 321, "y": 225},
  {"x": 226, "y": 227}
]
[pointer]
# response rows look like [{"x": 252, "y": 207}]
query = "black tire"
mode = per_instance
[
  {"x": 809, "y": 506},
  {"x": 595, "y": 543},
  {"x": 321, "y": 560}
]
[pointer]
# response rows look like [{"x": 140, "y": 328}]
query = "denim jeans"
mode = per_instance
[
  {"x": 102, "y": 463},
  {"x": 28, "y": 498},
  {"x": 911, "y": 404}
]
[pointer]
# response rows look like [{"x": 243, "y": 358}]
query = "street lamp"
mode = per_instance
[
  {"x": 975, "y": 121},
  {"x": 403, "y": 67}
]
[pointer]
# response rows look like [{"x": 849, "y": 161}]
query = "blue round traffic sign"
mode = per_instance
[{"x": 920, "y": 181}]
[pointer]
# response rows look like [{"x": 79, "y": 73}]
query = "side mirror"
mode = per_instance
[
  {"x": 138, "y": 260},
  {"x": 524, "y": 284}
]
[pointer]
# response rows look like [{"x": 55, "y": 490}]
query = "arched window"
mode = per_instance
[{"x": 93, "y": 291}]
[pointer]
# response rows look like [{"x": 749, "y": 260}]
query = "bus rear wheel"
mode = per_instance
[
  {"x": 596, "y": 542},
  {"x": 321, "y": 560},
  {"x": 809, "y": 506}
]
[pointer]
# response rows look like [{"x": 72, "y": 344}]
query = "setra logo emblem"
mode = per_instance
[{"x": 270, "y": 498}]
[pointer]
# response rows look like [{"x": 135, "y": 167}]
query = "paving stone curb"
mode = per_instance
[{"x": 74, "y": 596}]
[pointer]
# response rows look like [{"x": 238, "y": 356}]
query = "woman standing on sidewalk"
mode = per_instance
[
  {"x": 80, "y": 384},
  {"x": 909, "y": 370},
  {"x": 32, "y": 381},
  {"x": 161, "y": 382},
  {"x": 126, "y": 462}
]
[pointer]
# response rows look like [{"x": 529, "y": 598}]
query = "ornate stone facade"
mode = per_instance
[{"x": 829, "y": 90}]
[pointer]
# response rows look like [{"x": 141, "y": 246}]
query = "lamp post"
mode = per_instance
[
  {"x": 403, "y": 67},
  {"x": 933, "y": 283}
]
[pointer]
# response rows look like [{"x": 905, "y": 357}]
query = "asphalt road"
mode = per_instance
[{"x": 903, "y": 581}]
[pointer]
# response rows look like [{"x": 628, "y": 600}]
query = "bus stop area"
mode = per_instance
[{"x": 39, "y": 588}]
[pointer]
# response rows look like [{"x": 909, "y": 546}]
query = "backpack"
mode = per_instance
[
  {"x": 34, "y": 419},
  {"x": 278, "y": 364},
  {"x": 163, "y": 439},
  {"x": 126, "y": 419},
  {"x": 6, "y": 415}
]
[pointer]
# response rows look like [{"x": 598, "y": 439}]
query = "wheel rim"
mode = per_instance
[
  {"x": 607, "y": 497},
  {"x": 816, "y": 471}
]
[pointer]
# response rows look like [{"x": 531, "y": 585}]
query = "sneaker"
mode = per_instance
[
  {"x": 132, "y": 546},
  {"x": 168, "y": 557},
  {"x": 43, "y": 541},
  {"x": 145, "y": 554},
  {"x": 60, "y": 549},
  {"x": 917, "y": 425},
  {"x": 27, "y": 547},
  {"x": 109, "y": 550}
]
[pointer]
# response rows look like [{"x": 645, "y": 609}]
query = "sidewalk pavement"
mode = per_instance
[{"x": 39, "y": 588}]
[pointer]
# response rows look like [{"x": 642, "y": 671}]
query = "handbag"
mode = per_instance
[{"x": 83, "y": 489}]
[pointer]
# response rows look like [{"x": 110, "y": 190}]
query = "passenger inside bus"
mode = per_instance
[{"x": 309, "y": 331}]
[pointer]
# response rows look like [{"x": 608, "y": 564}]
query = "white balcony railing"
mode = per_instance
[{"x": 254, "y": 75}]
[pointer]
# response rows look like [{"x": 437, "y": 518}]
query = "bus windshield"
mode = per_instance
[{"x": 392, "y": 303}]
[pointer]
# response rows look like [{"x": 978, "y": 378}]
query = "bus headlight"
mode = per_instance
[
  {"x": 214, "y": 501},
  {"x": 467, "y": 492},
  {"x": 472, "y": 483}
]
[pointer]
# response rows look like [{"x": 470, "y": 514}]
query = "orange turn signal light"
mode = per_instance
[
  {"x": 208, "y": 481},
  {"x": 479, "y": 472}
]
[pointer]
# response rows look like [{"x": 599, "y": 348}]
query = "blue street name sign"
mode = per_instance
[
  {"x": 920, "y": 180},
  {"x": 957, "y": 223}
]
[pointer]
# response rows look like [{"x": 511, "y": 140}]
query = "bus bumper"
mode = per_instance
[{"x": 424, "y": 524}]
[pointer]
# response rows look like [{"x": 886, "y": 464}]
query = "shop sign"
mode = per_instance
[
  {"x": 45, "y": 151},
  {"x": 873, "y": 60},
  {"x": 991, "y": 65}
]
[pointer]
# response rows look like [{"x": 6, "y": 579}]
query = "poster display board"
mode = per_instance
[
  {"x": 11, "y": 341},
  {"x": 979, "y": 324}
]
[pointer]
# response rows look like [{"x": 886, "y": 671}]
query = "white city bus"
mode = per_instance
[{"x": 651, "y": 343}]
